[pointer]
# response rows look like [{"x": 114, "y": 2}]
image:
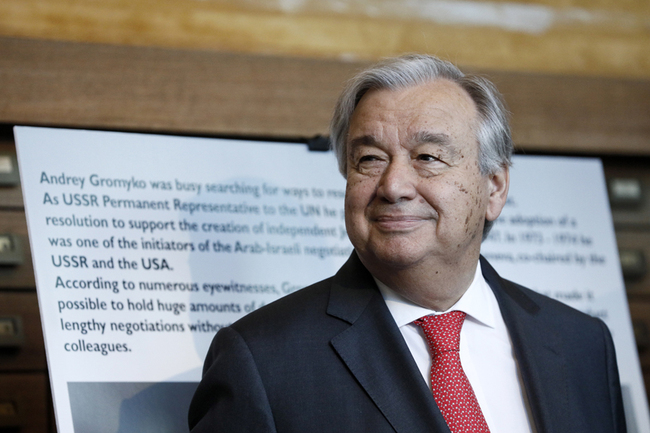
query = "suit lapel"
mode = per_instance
[
  {"x": 539, "y": 357},
  {"x": 374, "y": 351}
]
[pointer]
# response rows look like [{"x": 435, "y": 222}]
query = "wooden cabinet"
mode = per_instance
[
  {"x": 24, "y": 402},
  {"x": 25, "y": 398}
]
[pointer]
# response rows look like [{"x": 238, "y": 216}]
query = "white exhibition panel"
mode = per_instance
[{"x": 144, "y": 246}]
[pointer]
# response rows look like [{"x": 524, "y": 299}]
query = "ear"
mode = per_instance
[{"x": 499, "y": 183}]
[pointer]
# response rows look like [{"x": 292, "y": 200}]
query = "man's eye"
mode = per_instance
[
  {"x": 427, "y": 158},
  {"x": 368, "y": 158}
]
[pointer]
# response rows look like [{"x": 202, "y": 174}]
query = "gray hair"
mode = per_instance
[{"x": 493, "y": 134}]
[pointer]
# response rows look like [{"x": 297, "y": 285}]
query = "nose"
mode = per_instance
[{"x": 397, "y": 182}]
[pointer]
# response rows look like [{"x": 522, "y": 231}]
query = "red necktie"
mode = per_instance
[{"x": 451, "y": 389}]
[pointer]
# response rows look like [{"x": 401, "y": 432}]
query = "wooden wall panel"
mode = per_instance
[
  {"x": 117, "y": 87},
  {"x": 582, "y": 37},
  {"x": 196, "y": 92},
  {"x": 578, "y": 114}
]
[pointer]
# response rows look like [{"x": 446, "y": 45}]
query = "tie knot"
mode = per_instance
[{"x": 442, "y": 331}]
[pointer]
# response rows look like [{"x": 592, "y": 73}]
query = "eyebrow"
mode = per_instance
[
  {"x": 421, "y": 137},
  {"x": 430, "y": 137},
  {"x": 365, "y": 140}
]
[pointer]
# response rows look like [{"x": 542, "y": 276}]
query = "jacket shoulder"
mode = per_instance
[
  {"x": 303, "y": 306},
  {"x": 511, "y": 294}
]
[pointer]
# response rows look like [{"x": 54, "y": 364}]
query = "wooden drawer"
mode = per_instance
[
  {"x": 17, "y": 276},
  {"x": 638, "y": 169},
  {"x": 26, "y": 351},
  {"x": 23, "y": 403},
  {"x": 636, "y": 240},
  {"x": 10, "y": 196},
  {"x": 640, "y": 312}
]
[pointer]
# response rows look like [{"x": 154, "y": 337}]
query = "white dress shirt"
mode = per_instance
[{"x": 485, "y": 352}]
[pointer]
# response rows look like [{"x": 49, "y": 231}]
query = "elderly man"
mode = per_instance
[{"x": 416, "y": 332}]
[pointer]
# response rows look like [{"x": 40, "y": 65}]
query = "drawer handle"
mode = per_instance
[
  {"x": 11, "y": 250},
  {"x": 11, "y": 332},
  {"x": 9, "y": 175},
  {"x": 9, "y": 415},
  {"x": 625, "y": 192},
  {"x": 7, "y": 408},
  {"x": 633, "y": 264}
]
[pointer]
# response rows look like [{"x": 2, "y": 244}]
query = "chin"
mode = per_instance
[{"x": 393, "y": 256}]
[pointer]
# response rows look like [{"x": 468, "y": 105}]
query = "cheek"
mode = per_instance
[
  {"x": 359, "y": 192},
  {"x": 460, "y": 187},
  {"x": 476, "y": 203},
  {"x": 446, "y": 195},
  {"x": 459, "y": 200}
]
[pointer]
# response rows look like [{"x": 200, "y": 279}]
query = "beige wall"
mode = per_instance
[{"x": 609, "y": 38}]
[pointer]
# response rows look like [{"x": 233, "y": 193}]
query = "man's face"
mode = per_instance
[{"x": 414, "y": 190}]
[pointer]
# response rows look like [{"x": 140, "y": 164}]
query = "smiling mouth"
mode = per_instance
[{"x": 398, "y": 222}]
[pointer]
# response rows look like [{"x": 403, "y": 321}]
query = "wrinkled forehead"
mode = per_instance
[{"x": 437, "y": 111}]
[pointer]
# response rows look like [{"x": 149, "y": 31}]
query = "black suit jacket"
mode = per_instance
[{"x": 330, "y": 358}]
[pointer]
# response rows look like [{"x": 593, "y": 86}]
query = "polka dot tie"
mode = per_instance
[{"x": 451, "y": 389}]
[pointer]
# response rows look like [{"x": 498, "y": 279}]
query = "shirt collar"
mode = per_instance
[{"x": 478, "y": 302}]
